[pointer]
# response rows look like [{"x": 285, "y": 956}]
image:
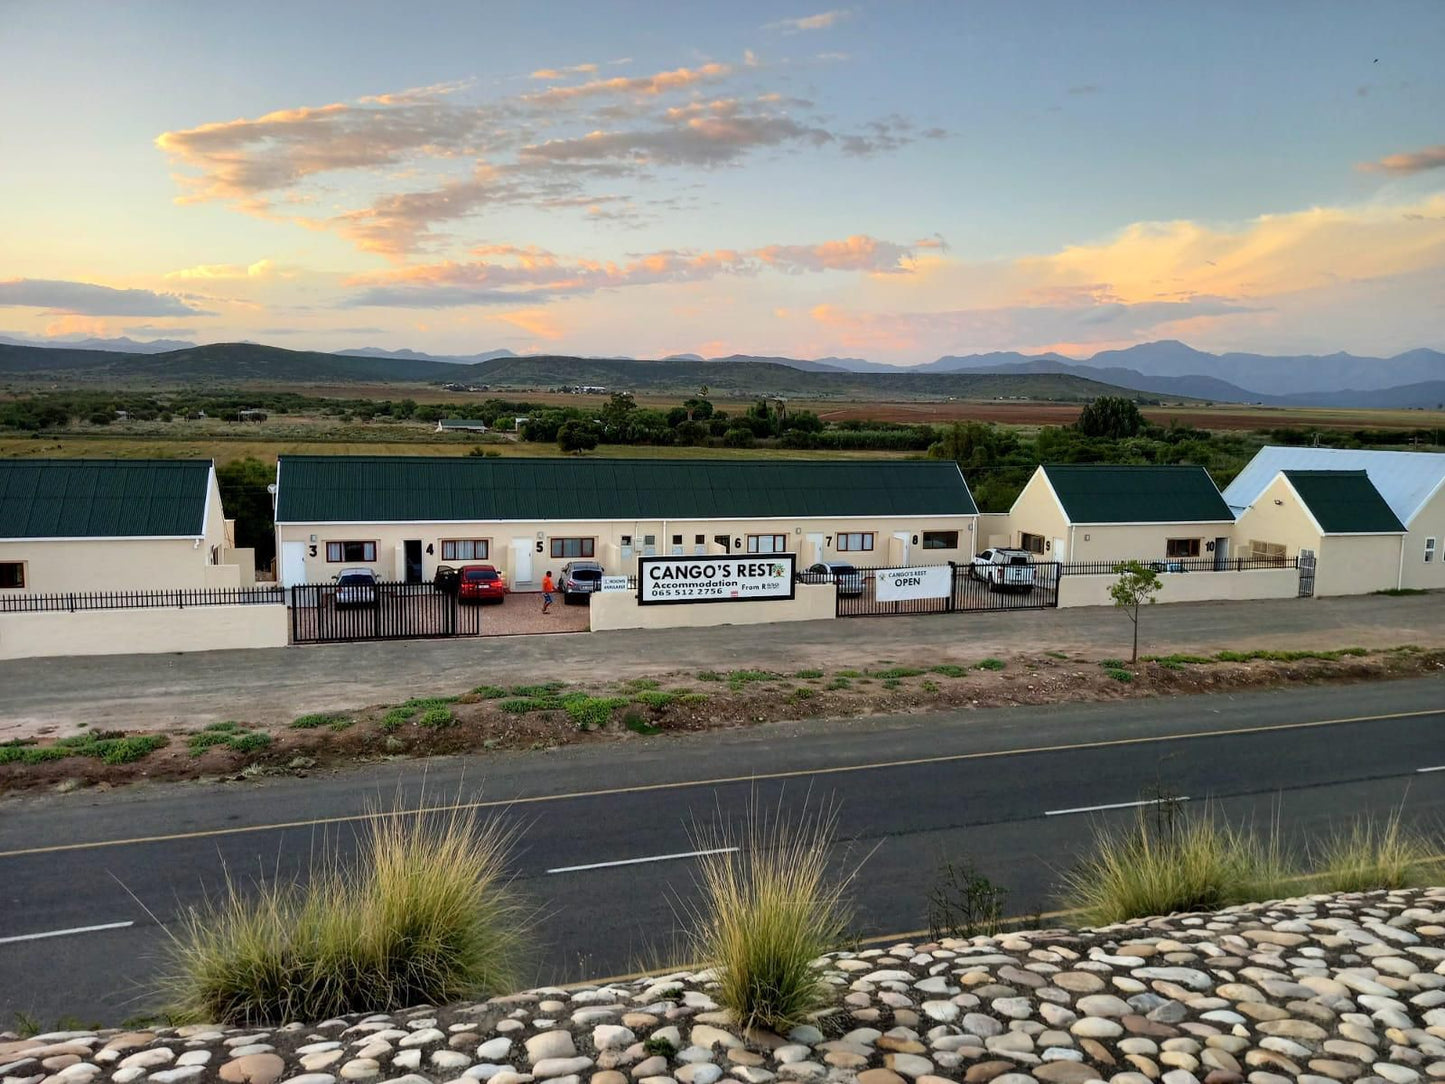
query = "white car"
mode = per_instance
[
  {"x": 356, "y": 587},
  {"x": 1004, "y": 569}
]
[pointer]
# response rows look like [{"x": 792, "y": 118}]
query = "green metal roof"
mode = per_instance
[
  {"x": 1096, "y": 493},
  {"x": 412, "y": 489},
  {"x": 1344, "y": 502},
  {"x": 103, "y": 498}
]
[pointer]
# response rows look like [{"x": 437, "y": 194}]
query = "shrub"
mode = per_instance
[
  {"x": 489, "y": 692},
  {"x": 638, "y": 685},
  {"x": 891, "y": 683},
  {"x": 634, "y": 722},
  {"x": 1111, "y": 664},
  {"x": 253, "y": 741},
  {"x": 127, "y": 750},
  {"x": 767, "y": 911},
  {"x": 1173, "y": 862},
  {"x": 546, "y": 688},
  {"x": 424, "y": 916},
  {"x": 437, "y": 716},
  {"x": 1373, "y": 855},
  {"x": 1118, "y": 673},
  {"x": 655, "y": 699},
  {"x": 804, "y": 694},
  {"x": 949, "y": 669},
  {"x": 808, "y": 675},
  {"x": 709, "y": 675},
  {"x": 199, "y": 743},
  {"x": 319, "y": 718},
  {"x": 964, "y": 903},
  {"x": 850, "y": 673},
  {"x": 839, "y": 683},
  {"x": 593, "y": 712},
  {"x": 991, "y": 664},
  {"x": 898, "y": 672},
  {"x": 930, "y": 686},
  {"x": 658, "y": 1046}
]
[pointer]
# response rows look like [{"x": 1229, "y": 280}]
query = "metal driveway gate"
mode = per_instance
[
  {"x": 858, "y": 593},
  {"x": 323, "y": 613}
]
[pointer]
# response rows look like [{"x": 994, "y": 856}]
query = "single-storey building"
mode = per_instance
[
  {"x": 80, "y": 525},
  {"x": 1337, "y": 517},
  {"x": 404, "y": 515},
  {"x": 1081, "y": 513},
  {"x": 461, "y": 425},
  {"x": 1276, "y": 517}
]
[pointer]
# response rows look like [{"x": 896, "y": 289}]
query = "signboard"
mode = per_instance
[
  {"x": 757, "y": 577},
  {"x": 899, "y": 584},
  {"x": 616, "y": 583}
]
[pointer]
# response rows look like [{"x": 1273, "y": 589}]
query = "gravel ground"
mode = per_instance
[{"x": 1312, "y": 990}]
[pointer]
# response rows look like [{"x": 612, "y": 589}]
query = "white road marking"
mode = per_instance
[
  {"x": 65, "y": 933},
  {"x": 1116, "y": 805},
  {"x": 640, "y": 861},
  {"x": 1437, "y": 768}
]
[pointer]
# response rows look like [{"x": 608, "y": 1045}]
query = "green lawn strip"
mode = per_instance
[{"x": 333, "y": 720}]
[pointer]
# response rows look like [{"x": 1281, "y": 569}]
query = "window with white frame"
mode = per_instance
[
  {"x": 855, "y": 542},
  {"x": 12, "y": 575},
  {"x": 699, "y": 545},
  {"x": 345, "y": 552},
  {"x": 767, "y": 543},
  {"x": 1429, "y": 551},
  {"x": 466, "y": 549},
  {"x": 940, "y": 540},
  {"x": 649, "y": 545},
  {"x": 1181, "y": 547}
]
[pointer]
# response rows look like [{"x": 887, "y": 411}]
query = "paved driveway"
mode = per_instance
[{"x": 275, "y": 685}]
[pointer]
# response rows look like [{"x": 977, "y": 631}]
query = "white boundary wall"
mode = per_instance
[
  {"x": 1188, "y": 587},
  {"x": 143, "y": 631},
  {"x": 619, "y": 610}
]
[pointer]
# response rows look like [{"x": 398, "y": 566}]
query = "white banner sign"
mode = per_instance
[
  {"x": 616, "y": 583},
  {"x": 754, "y": 578},
  {"x": 898, "y": 584}
]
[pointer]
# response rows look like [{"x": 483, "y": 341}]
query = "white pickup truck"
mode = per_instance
[{"x": 1004, "y": 569}]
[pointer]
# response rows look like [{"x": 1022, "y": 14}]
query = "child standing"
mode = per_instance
[{"x": 547, "y": 591}]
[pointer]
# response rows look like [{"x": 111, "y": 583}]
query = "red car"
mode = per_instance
[{"x": 481, "y": 583}]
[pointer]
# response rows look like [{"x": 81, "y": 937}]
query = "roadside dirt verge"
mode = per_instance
[{"x": 550, "y": 714}]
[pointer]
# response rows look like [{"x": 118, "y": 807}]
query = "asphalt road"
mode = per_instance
[{"x": 1017, "y": 790}]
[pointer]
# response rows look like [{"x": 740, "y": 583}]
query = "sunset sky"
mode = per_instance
[{"x": 886, "y": 180}]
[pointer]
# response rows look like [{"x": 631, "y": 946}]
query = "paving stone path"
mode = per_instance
[{"x": 1316, "y": 990}]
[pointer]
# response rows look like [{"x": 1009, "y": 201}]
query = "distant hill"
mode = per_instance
[
  {"x": 413, "y": 355},
  {"x": 219, "y": 363},
  {"x": 123, "y": 344},
  {"x": 1192, "y": 387},
  {"x": 1278, "y": 375},
  {"x": 745, "y": 378}
]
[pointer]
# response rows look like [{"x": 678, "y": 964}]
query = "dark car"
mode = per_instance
[
  {"x": 848, "y": 579},
  {"x": 580, "y": 581},
  {"x": 481, "y": 583},
  {"x": 447, "y": 579}
]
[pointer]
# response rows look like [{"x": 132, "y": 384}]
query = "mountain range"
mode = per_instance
[{"x": 1167, "y": 368}]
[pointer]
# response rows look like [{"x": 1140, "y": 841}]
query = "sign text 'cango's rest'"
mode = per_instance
[{"x": 715, "y": 579}]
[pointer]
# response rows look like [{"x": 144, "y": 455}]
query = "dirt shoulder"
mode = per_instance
[{"x": 549, "y": 714}]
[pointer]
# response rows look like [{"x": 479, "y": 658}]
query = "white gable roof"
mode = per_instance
[{"x": 1405, "y": 479}]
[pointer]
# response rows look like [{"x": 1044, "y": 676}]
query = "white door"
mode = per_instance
[
  {"x": 1060, "y": 552},
  {"x": 521, "y": 561},
  {"x": 815, "y": 548},
  {"x": 293, "y": 563},
  {"x": 900, "y": 548}
]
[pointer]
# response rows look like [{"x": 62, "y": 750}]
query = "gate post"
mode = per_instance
[{"x": 952, "y": 586}]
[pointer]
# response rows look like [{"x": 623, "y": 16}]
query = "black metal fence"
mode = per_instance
[
  {"x": 1182, "y": 564},
  {"x": 74, "y": 602},
  {"x": 1034, "y": 587},
  {"x": 328, "y": 613}
]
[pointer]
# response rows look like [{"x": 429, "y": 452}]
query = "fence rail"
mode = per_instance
[
  {"x": 1182, "y": 564},
  {"x": 74, "y": 602}
]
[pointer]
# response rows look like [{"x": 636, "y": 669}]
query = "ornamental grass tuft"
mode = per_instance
[
  {"x": 1171, "y": 860},
  {"x": 770, "y": 907},
  {"x": 1372, "y": 854},
  {"x": 424, "y": 915}
]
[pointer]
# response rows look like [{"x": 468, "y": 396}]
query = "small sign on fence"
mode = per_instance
[
  {"x": 899, "y": 584},
  {"x": 616, "y": 583}
]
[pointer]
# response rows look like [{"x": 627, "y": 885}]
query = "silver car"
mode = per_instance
[
  {"x": 846, "y": 577},
  {"x": 356, "y": 587},
  {"x": 580, "y": 580}
]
